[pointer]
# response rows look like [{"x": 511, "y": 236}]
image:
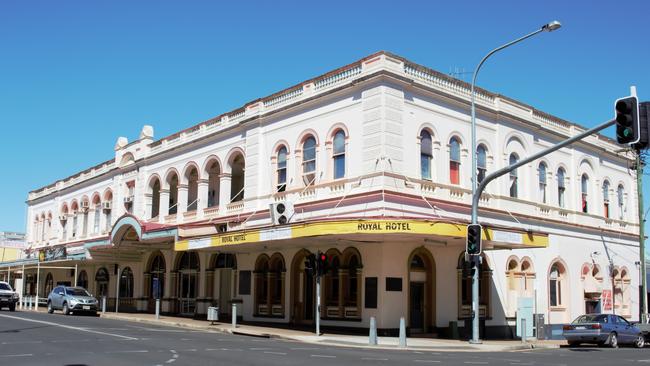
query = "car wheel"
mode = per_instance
[
  {"x": 640, "y": 341},
  {"x": 66, "y": 311},
  {"x": 50, "y": 309},
  {"x": 574, "y": 344},
  {"x": 613, "y": 340},
  {"x": 12, "y": 307}
]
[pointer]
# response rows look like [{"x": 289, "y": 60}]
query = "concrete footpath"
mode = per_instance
[{"x": 392, "y": 343}]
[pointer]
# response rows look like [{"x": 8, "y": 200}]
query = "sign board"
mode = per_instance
[
  {"x": 606, "y": 300},
  {"x": 51, "y": 254}
]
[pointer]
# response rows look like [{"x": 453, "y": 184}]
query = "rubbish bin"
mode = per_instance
[{"x": 213, "y": 314}]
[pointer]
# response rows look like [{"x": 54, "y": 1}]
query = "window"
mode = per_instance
[
  {"x": 281, "y": 171},
  {"x": 606, "y": 199},
  {"x": 269, "y": 285},
  {"x": 621, "y": 203},
  {"x": 172, "y": 181},
  {"x": 108, "y": 200},
  {"x": 331, "y": 280},
  {"x": 155, "y": 198},
  {"x": 481, "y": 162},
  {"x": 96, "y": 217},
  {"x": 465, "y": 287},
  {"x": 426, "y": 154},
  {"x": 213, "y": 170},
  {"x": 238, "y": 166},
  {"x": 584, "y": 184},
  {"x": 101, "y": 279},
  {"x": 126, "y": 283},
  {"x": 561, "y": 188},
  {"x": 542, "y": 182},
  {"x": 339, "y": 154},
  {"x": 514, "y": 180},
  {"x": 454, "y": 161},
  {"x": 309, "y": 161},
  {"x": 82, "y": 279},
  {"x": 192, "y": 177},
  {"x": 157, "y": 271},
  {"x": 555, "y": 285}
]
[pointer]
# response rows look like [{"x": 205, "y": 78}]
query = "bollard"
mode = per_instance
[
  {"x": 523, "y": 330},
  {"x": 402, "y": 333},
  {"x": 234, "y": 316},
  {"x": 29, "y": 303},
  {"x": 157, "y": 308},
  {"x": 103, "y": 304},
  {"x": 373, "y": 331}
]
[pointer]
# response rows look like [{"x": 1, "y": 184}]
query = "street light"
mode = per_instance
[{"x": 549, "y": 27}]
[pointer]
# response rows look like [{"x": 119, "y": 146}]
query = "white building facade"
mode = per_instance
[{"x": 372, "y": 164}]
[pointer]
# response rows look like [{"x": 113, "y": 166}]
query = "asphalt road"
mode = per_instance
[{"x": 28, "y": 338}]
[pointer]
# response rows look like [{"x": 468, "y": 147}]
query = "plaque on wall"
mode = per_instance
[
  {"x": 394, "y": 284},
  {"x": 244, "y": 282},
  {"x": 371, "y": 293}
]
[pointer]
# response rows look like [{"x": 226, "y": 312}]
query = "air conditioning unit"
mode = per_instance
[
  {"x": 281, "y": 212},
  {"x": 106, "y": 205},
  {"x": 85, "y": 205},
  {"x": 128, "y": 199},
  {"x": 63, "y": 217}
]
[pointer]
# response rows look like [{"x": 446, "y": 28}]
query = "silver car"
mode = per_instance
[
  {"x": 603, "y": 329},
  {"x": 71, "y": 299}
]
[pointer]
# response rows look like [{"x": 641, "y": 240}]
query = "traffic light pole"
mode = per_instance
[
  {"x": 318, "y": 305},
  {"x": 481, "y": 187},
  {"x": 643, "y": 301}
]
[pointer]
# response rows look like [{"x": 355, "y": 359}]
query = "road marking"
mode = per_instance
[
  {"x": 374, "y": 359},
  {"x": 476, "y": 362},
  {"x": 69, "y": 327},
  {"x": 20, "y": 355},
  {"x": 427, "y": 361},
  {"x": 260, "y": 349},
  {"x": 323, "y": 356},
  {"x": 275, "y": 353},
  {"x": 133, "y": 351},
  {"x": 304, "y": 348},
  {"x": 24, "y": 342}
]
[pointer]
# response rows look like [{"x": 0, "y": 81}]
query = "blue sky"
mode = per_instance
[{"x": 75, "y": 75}]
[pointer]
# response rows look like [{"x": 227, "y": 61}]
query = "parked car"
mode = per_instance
[
  {"x": 71, "y": 299},
  {"x": 603, "y": 329},
  {"x": 8, "y": 297}
]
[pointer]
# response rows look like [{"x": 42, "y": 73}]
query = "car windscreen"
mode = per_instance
[
  {"x": 4, "y": 286},
  {"x": 600, "y": 318},
  {"x": 76, "y": 291}
]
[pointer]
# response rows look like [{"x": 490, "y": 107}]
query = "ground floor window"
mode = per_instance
[
  {"x": 82, "y": 279},
  {"x": 340, "y": 284},
  {"x": 126, "y": 283},
  {"x": 101, "y": 280},
  {"x": 49, "y": 284},
  {"x": 269, "y": 285},
  {"x": 465, "y": 271}
]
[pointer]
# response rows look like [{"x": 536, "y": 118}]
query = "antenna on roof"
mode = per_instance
[{"x": 458, "y": 73}]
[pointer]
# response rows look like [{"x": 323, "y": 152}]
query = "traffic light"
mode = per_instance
[
  {"x": 644, "y": 125},
  {"x": 310, "y": 264},
  {"x": 628, "y": 129},
  {"x": 321, "y": 264},
  {"x": 473, "y": 239}
]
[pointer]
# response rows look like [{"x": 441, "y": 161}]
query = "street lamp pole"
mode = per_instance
[{"x": 476, "y": 259}]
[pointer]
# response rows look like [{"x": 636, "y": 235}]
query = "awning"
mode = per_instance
[{"x": 494, "y": 237}]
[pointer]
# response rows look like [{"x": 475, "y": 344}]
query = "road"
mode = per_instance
[{"x": 28, "y": 338}]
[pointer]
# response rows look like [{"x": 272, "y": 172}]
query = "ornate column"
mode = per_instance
[
  {"x": 202, "y": 195},
  {"x": 224, "y": 191},
  {"x": 148, "y": 206},
  {"x": 182, "y": 200},
  {"x": 164, "y": 204}
]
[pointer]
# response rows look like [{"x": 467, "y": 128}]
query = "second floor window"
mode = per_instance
[
  {"x": 561, "y": 188},
  {"x": 542, "y": 182},
  {"x": 281, "y": 171},
  {"x": 309, "y": 160},
  {"x": 481, "y": 163},
  {"x": 514, "y": 179},
  {"x": 621, "y": 202},
  {"x": 426, "y": 154},
  {"x": 584, "y": 188},
  {"x": 339, "y": 154},
  {"x": 454, "y": 161},
  {"x": 606, "y": 199}
]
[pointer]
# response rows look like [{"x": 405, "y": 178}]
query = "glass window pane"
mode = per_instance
[
  {"x": 542, "y": 173},
  {"x": 309, "y": 149},
  {"x": 425, "y": 143},
  {"x": 481, "y": 156},
  {"x": 339, "y": 142},
  {"x": 454, "y": 150},
  {"x": 425, "y": 166},
  {"x": 339, "y": 166},
  {"x": 584, "y": 183}
]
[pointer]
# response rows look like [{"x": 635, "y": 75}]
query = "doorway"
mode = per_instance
[
  {"x": 421, "y": 288},
  {"x": 188, "y": 282},
  {"x": 303, "y": 290},
  {"x": 416, "y": 312}
]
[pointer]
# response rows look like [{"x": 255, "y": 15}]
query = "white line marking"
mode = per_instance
[
  {"x": 20, "y": 355},
  {"x": 476, "y": 362},
  {"x": 134, "y": 351},
  {"x": 427, "y": 361},
  {"x": 69, "y": 327},
  {"x": 322, "y": 356},
  {"x": 303, "y": 348},
  {"x": 374, "y": 359},
  {"x": 24, "y": 342},
  {"x": 260, "y": 349},
  {"x": 275, "y": 353}
]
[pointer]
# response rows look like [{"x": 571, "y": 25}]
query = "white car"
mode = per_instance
[{"x": 8, "y": 297}]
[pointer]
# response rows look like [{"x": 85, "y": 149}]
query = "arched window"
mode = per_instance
[
  {"x": 309, "y": 161},
  {"x": 269, "y": 285},
  {"x": 555, "y": 284},
  {"x": 426, "y": 154},
  {"x": 331, "y": 283},
  {"x": 49, "y": 283},
  {"x": 606, "y": 199},
  {"x": 621, "y": 201},
  {"x": 192, "y": 177},
  {"x": 155, "y": 198},
  {"x": 157, "y": 273},
  {"x": 281, "y": 171},
  {"x": 97, "y": 214},
  {"x": 213, "y": 172},
  {"x": 584, "y": 187},
  {"x": 351, "y": 283},
  {"x": 237, "y": 182},
  {"x": 75, "y": 221},
  {"x": 107, "y": 205},
  {"x": 225, "y": 260},
  {"x": 172, "y": 181},
  {"x": 514, "y": 180},
  {"x": 262, "y": 285},
  {"x": 542, "y": 182},
  {"x": 339, "y": 154},
  {"x": 481, "y": 162},
  {"x": 82, "y": 279},
  {"x": 126, "y": 283},
  {"x": 454, "y": 161},
  {"x": 561, "y": 187},
  {"x": 101, "y": 282}
]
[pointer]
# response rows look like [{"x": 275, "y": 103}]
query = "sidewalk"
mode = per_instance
[{"x": 391, "y": 343}]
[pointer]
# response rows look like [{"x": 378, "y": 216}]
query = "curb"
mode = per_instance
[{"x": 240, "y": 332}]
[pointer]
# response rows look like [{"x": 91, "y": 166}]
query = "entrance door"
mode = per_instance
[
  {"x": 308, "y": 297},
  {"x": 187, "y": 292},
  {"x": 417, "y": 307},
  {"x": 225, "y": 290}
]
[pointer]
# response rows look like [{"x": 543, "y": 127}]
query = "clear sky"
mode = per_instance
[{"x": 75, "y": 75}]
